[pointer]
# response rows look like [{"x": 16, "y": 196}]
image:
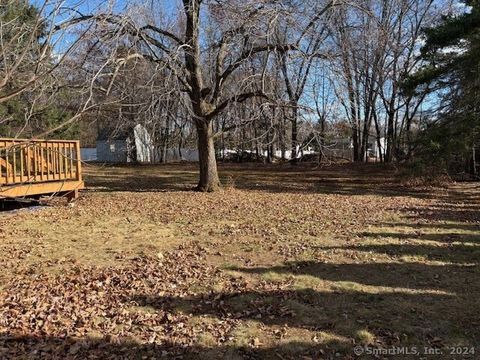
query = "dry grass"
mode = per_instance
[{"x": 292, "y": 261}]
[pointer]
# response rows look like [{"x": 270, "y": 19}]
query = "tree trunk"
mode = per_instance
[
  {"x": 390, "y": 137},
  {"x": 364, "y": 147},
  {"x": 180, "y": 143},
  {"x": 378, "y": 136},
  {"x": 271, "y": 140},
  {"x": 293, "y": 155},
  {"x": 209, "y": 180},
  {"x": 282, "y": 136},
  {"x": 356, "y": 146},
  {"x": 473, "y": 169},
  {"x": 165, "y": 147}
]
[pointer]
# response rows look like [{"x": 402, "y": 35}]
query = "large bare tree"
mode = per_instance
[{"x": 204, "y": 50}]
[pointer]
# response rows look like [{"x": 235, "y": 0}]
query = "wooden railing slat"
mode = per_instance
[
  {"x": 14, "y": 161},
  {"x": 22, "y": 165}
]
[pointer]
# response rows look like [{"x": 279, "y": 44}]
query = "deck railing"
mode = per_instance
[{"x": 37, "y": 161}]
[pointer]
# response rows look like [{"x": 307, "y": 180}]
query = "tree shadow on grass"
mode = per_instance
[
  {"x": 341, "y": 312},
  {"x": 391, "y": 319},
  {"x": 348, "y": 180},
  {"x": 139, "y": 178},
  {"x": 457, "y": 205},
  {"x": 132, "y": 183},
  {"x": 443, "y": 212},
  {"x": 399, "y": 304},
  {"x": 279, "y": 178},
  {"x": 449, "y": 278},
  {"x": 447, "y": 253},
  {"x": 50, "y": 348},
  {"x": 446, "y": 238},
  {"x": 424, "y": 226}
]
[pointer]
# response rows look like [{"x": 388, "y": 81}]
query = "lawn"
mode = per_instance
[{"x": 287, "y": 262}]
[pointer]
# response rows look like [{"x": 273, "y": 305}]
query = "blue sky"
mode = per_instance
[
  {"x": 89, "y": 6},
  {"x": 73, "y": 8},
  {"x": 85, "y": 7}
]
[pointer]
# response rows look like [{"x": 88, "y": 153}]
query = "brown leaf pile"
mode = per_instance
[{"x": 97, "y": 303}]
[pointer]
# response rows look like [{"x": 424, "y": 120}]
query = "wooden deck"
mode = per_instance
[{"x": 31, "y": 168}]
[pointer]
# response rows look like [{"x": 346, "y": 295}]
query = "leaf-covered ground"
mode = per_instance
[{"x": 285, "y": 263}]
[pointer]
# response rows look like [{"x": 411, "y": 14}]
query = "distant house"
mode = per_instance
[
  {"x": 125, "y": 146},
  {"x": 113, "y": 146},
  {"x": 136, "y": 145}
]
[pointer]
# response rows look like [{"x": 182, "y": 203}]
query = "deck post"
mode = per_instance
[{"x": 78, "y": 161}]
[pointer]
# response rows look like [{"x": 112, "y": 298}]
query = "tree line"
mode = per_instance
[{"x": 263, "y": 77}]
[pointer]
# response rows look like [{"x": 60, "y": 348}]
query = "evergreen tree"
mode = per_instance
[{"x": 452, "y": 70}]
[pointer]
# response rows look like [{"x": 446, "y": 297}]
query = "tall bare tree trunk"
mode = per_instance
[
  {"x": 356, "y": 145},
  {"x": 321, "y": 141},
  {"x": 390, "y": 137},
  {"x": 378, "y": 135},
  {"x": 293, "y": 155},
  {"x": 283, "y": 136},
  {"x": 473, "y": 169},
  {"x": 209, "y": 180}
]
